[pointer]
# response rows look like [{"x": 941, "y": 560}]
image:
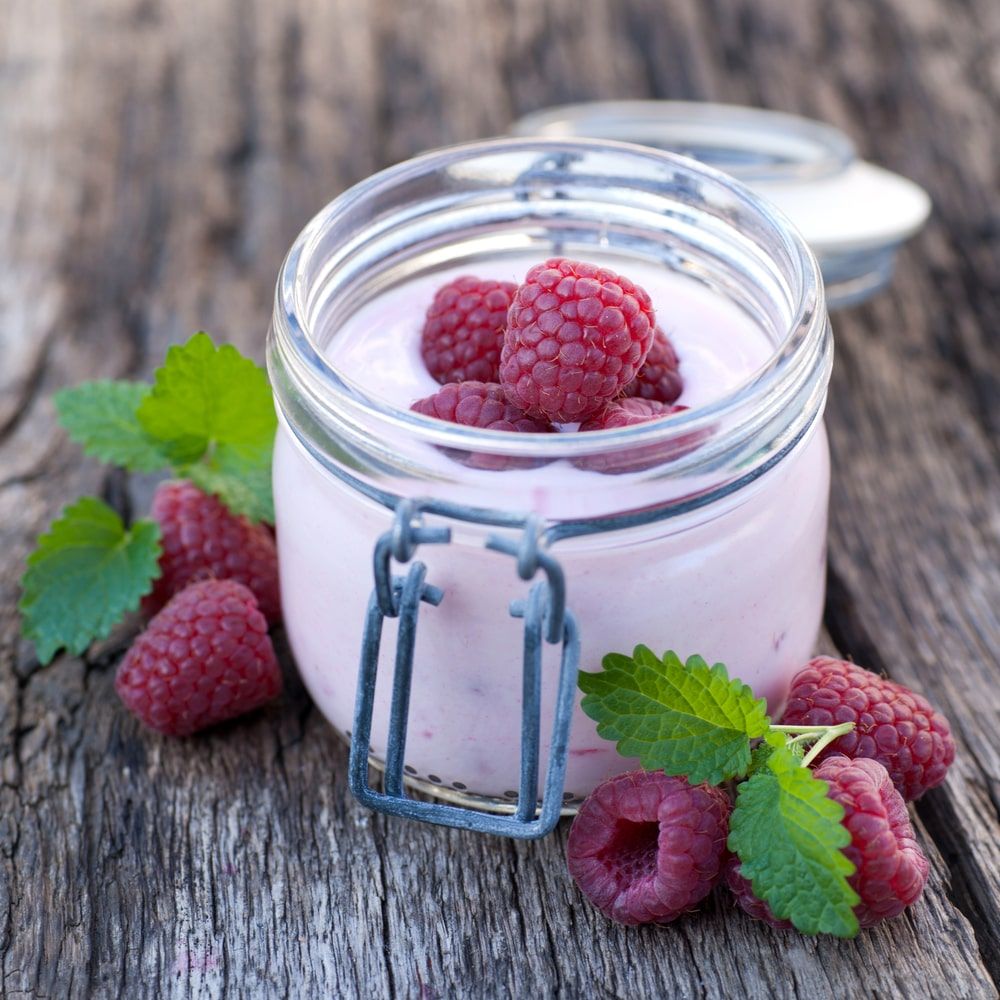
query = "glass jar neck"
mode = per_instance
[{"x": 506, "y": 197}]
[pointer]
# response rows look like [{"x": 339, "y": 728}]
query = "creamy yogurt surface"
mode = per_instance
[{"x": 718, "y": 344}]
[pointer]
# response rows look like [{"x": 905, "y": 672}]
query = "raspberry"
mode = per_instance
[
  {"x": 463, "y": 332},
  {"x": 893, "y": 725},
  {"x": 659, "y": 377},
  {"x": 577, "y": 334},
  {"x": 478, "y": 404},
  {"x": 740, "y": 887},
  {"x": 483, "y": 405},
  {"x": 891, "y": 868},
  {"x": 206, "y": 657},
  {"x": 203, "y": 540},
  {"x": 626, "y": 413},
  {"x": 645, "y": 847}
]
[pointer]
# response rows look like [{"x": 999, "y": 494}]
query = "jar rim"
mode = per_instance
[{"x": 308, "y": 364}]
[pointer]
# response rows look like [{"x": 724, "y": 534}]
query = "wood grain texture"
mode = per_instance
[{"x": 159, "y": 156}]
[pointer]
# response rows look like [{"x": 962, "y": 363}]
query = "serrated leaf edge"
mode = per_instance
[
  {"x": 783, "y": 761},
  {"x": 60, "y": 399},
  {"x": 755, "y": 719},
  {"x": 45, "y": 648}
]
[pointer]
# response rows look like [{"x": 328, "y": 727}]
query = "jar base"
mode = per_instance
[
  {"x": 470, "y": 800},
  {"x": 465, "y": 798}
]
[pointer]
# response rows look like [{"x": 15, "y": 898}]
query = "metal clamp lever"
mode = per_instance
[{"x": 544, "y": 611}]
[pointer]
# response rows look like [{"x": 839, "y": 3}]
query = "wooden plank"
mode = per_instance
[
  {"x": 915, "y": 529},
  {"x": 163, "y": 156},
  {"x": 241, "y": 860}
]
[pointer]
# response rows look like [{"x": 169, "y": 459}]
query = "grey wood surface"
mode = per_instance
[{"x": 158, "y": 157}]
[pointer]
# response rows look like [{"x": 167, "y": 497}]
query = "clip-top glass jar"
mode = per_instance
[{"x": 703, "y": 533}]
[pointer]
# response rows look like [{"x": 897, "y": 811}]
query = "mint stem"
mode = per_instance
[
  {"x": 832, "y": 734},
  {"x": 803, "y": 737},
  {"x": 798, "y": 729}
]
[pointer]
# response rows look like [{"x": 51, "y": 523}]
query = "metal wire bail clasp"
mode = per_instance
[{"x": 546, "y": 618}]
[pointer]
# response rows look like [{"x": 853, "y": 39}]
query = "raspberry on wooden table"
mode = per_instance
[
  {"x": 646, "y": 847},
  {"x": 203, "y": 540},
  {"x": 890, "y": 867},
  {"x": 659, "y": 378},
  {"x": 893, "y": 725},
  {"x": 732, "y": 878},
  {"x": 463, "y": 331},
  {"x": 206, "y": 657},
  {"x": 577, "y": 335}
]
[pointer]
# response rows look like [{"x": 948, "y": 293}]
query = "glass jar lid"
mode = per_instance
[{"x": 853, "y": 214}]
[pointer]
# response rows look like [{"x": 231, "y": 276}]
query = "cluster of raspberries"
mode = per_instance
[
  {"x": 574, "y": 343},
  {"x": 646, "y": 847},
  {"x": 205, "y": 655}
]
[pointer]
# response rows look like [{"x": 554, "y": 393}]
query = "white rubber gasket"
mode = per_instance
[{"x": 862, "y": 208}]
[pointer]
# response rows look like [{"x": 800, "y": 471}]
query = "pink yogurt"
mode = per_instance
[{"x": 741, "y": 581}]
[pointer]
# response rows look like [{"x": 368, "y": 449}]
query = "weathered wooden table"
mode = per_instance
[{"x": 158, "y": 156}]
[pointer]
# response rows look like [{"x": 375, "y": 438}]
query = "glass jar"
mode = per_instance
[{"x": 704, "y": 533}]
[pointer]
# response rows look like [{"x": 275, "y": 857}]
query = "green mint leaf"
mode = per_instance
[
  {"x": 102, "y": 417},
  {"x": 205, "y": 398},
  {"x": 761, "y": 753},
  {"x": 86, "y": 573},
  {"x": 759, "y": 757},
  {"x": 788, "y": 835},
  {"x": 241, "y": 481},
  {"x": 688, "y": 719}
]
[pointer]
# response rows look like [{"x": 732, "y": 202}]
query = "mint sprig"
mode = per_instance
[
  {"x": 693, "y": 720},
  {"x": 762, "y": 752},
  {"x": 788, "y": 836},
  {"x": 207, "y": 417},
  {"x": 211, "y": 410},
  {"x": 87, "y": 572},
  {"x": 241, "y": 482},
  {"x": 102, "y": 417},
  {"x": 688, "y": 719}
]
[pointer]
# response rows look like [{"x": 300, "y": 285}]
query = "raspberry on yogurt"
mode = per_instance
[
  {"x": 659, "y": 378},
  {"x": 577, "y": 335},
  {"x": 482, "y": 405},
  {"x": 627, "y": 413},
  {"x": 463, "y": 331},
  {"x": 478, "y": 404}
]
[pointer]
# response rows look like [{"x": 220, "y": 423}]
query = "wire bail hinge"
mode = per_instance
[{"x": 546, "y": 619}]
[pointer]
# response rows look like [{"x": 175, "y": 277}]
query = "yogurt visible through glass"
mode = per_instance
[{"x": 735, "y": 571}]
